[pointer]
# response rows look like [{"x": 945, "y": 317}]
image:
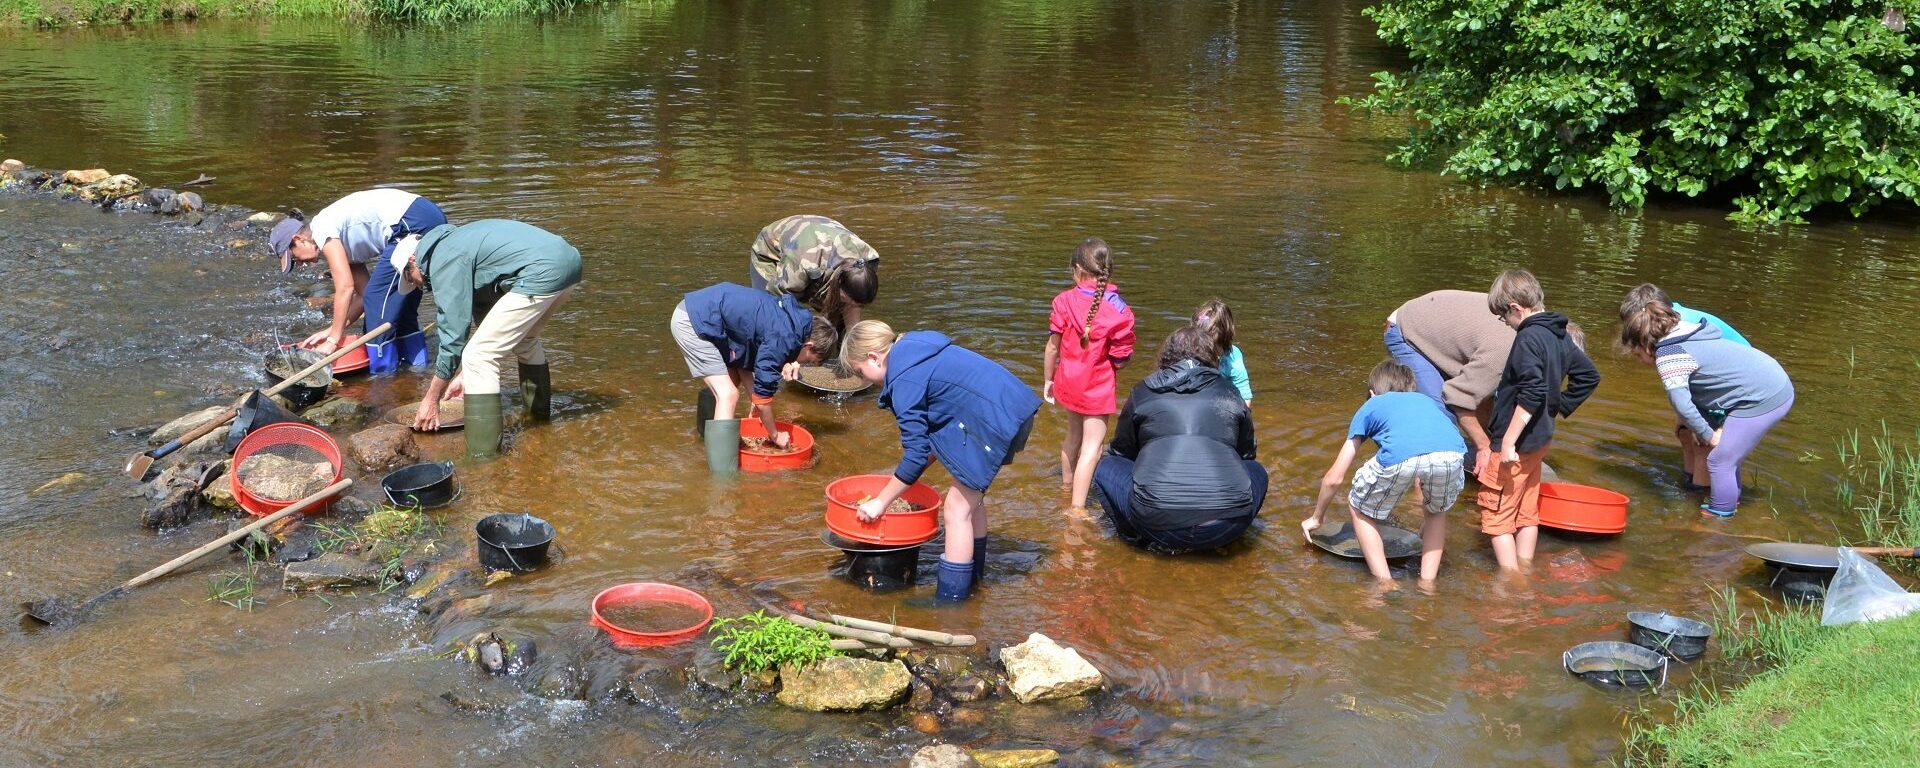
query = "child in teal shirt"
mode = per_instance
[{"x": 1216, "y": 319}]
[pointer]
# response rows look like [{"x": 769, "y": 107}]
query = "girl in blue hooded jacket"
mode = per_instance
[{"x": 954, "y": 405}]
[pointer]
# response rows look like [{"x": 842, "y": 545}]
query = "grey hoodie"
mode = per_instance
[{"x": 1704, "y": 371}]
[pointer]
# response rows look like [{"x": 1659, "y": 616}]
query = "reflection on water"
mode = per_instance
[{"x": 972, "y": 143}]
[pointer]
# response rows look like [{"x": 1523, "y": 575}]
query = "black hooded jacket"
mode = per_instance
[
  {"x": 1188, "y": 432},
  {"x": 1542, "y": 357}
]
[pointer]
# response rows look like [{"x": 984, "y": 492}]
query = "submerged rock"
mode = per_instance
[
  {"x": 336, "y": 411},
  {"x": 844, "y": 684},
  {"x": 968, "y": 689},
  {"x": 383, "y": 446},
  {"x": 87, "y": 176},
  {"x": 331, "y": 570},
  {"x": 1041, "y": 669},
  {"x": 1015, "y": 758},
  {"x": 942, "y": 756}
]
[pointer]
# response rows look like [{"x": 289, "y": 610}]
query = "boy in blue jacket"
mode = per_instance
[
  {"x": 954, "y": 405},
  {"x": 728, "y": 332}
]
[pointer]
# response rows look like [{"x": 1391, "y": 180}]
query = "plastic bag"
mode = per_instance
[{"x": 1863, "y": 592}]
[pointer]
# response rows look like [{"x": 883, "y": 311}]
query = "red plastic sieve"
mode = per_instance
[
  {"x": 894, "y": 528},
  {"x": 275, "y": 435}
]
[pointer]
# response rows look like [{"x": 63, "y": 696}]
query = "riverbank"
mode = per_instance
[
  {"x": 67, "y": 13},
  {"x": 1835, "y": 696}
]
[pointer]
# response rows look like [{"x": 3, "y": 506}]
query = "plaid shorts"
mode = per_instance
[{"x": 1377, "y": 489}]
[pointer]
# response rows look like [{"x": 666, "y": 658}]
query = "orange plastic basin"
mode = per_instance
[
  {"x": 1582, "y": 508},
  {"x": 351, "y": 362},
  {"x": 898, "y": 528},
  {"x": 800, "y": 458},
  {"x": 650, "y": 593}
]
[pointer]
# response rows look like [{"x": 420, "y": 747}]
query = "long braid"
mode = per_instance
[
  {"x": 1093, "y": 257},
  {"x": 1086, "y": 333}
]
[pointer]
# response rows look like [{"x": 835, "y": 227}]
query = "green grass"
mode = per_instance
[
  {"x": 63, "y": 13},
  {"x": 1837, "y": 696}
]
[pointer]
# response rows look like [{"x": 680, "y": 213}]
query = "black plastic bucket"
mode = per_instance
[
  {"x": 513, "y": 542},
  {"x": 304, "y": 392},
  {"x": 426, "y": 485},
  {"x": 1676, "y": 636},
  {"x": 877, "y": 567},
  {"x": 1802, "y": 587}
]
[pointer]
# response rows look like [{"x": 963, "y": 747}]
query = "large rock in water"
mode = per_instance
[
  {"x": 87, "y": 176},
  {"x": 173, "y": 498},
  {"x": 112, "y": 187},
  {"x": 942, "y": 756},
  {"x": 336, "y": 411},
  {"x": 333, "y": 569},
  {"x": 387, "y": 445},
  {"x": 11, "y": 165},
  {"x": 183, "y": 425},
  {"x": 1041, "y": 669},
  {"x": 844, "y": 684}
]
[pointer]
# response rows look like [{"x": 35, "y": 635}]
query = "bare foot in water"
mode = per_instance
[{"x": 1079, "y": 514}]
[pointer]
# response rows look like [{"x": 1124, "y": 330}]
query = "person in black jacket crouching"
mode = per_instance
[{"x": 1180, "y": 473}]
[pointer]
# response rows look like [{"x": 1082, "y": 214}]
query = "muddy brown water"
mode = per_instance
[{"x": 972, "y": 143}]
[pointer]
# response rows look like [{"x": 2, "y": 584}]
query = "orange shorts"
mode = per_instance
[{"x": 1509, "y": 495}]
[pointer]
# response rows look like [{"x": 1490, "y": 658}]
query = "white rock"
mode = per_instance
[
  {"x": 942, "y": 756},
  {"x": 1041, "y": 669}
]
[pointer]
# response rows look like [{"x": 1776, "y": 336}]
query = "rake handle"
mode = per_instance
[
  {"x": 233, "y": 410},
  {"x": 170, "y": 566}
]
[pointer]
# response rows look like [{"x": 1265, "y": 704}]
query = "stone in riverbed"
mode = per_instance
[
  {"x": 183, "y": 425},
  {"x": 11, "y": 165},
  {"x": 968, "y": 689},
  {"x": 844, "y": 684},
  {"x": 1041, "y": 669},
  {"x": 113, "y": 187},
  {"x": 942, "y": 756},
  {"x": 218, "y": 492},
  {"x": 333, "y": 569},
  {"x": 190, "y": 202},
  {"x": 263, "y": 217},
  {"x": 1015, "y": 758},
  {"x": 173, "y": 498},
  {"x": 387, "y": 445},
  {"x": 88, "y": 176},
  {"x": 336, "y": 411}
]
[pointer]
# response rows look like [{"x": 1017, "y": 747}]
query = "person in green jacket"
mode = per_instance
[{"x": 501, "y": 280}]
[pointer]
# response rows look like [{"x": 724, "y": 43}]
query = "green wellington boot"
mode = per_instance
[
  {"x": 483, "y": 426},
  {"x": 723, "y": 445},
  {"x": 536, "y": 391},
  {"x": 703, "y": 412}
]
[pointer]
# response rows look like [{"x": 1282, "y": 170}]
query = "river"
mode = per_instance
[{"x": 972, "y": 143}]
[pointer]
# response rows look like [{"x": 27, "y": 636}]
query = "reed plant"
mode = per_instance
[{"x": 1882, "y": 488}]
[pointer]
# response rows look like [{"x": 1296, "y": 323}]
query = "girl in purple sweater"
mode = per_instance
[{"x": 1727, "y": 393}]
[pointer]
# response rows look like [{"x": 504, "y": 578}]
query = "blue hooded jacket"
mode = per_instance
[
  {"x": 954, "y": 404},
  {"x": 753, "y": 329}
]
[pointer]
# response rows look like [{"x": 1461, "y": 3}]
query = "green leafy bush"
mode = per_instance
[
  {"x": 1785, "y": 105},
  {"x": 757, "y": 642},
  {"x": 455, "y": 10}
]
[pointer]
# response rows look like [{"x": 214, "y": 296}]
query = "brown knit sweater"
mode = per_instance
[{"x": 1455, "y": 331}]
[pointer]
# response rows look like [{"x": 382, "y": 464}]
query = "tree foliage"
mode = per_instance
[{"x": 1784, "y": 105}]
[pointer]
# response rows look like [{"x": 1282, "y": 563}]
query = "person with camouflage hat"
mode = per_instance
[
  {"x": 821, "y": 262},
  {"x": 355, "y": 237}
]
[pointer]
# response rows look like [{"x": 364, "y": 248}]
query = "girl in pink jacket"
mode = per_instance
[{"x": 1091, "y": 337}]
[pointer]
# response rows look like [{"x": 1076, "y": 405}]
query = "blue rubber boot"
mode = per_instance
[
  {"x": 411, "y": 350},
  {"x": 955, "y": 583},
  {"x": 979, "y": 560},
  {"x": 382, "y": 357}
]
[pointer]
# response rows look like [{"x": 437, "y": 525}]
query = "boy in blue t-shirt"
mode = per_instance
[{"x": 1418, "y": 444}]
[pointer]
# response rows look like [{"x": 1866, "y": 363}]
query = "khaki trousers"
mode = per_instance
[{"x": 513, "y": 325}]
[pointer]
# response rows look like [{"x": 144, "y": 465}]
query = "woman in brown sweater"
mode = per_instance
[{"x": 1456, "y": 351}]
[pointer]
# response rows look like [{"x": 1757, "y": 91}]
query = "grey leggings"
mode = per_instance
[{"x": 1739, "y": 435}]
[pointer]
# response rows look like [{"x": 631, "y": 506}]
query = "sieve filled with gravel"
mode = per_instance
[
  {"x": 285, "y": 472},
  {"x": 832, "y": 378}
]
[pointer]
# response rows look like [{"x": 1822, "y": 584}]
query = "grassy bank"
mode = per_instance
[
  {"x": 62, "y": 13},
  {"x": 1839, "y": 696},
  {"x": 1836, "y": 696}
]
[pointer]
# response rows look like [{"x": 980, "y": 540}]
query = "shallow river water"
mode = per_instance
[{"x": 972, "y": 143}]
